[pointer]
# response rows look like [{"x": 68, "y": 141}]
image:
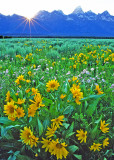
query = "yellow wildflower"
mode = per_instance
[
  {"x": 98, "y": 90},
  {"x": 34, "y": 91},
  {"x": 63, "y": 96},
  {"x": 28, "y": 90},
  {"x": 74, "y": 78},
  {"x": 69, "y": 80},
  {"x": 37, "y": 101},
  {"x": 103, "y": 127},
  {"x": 29, "y": 73},
  {"x": 58, "y": 121},
  {"x": 10, "y": 110},
  {"x": 105, "y": 142},
  {"x": 53, "y": 63},
  {"x": 77, "y": 94},
  {"x": 20, "y": 112},
  {"x": 20, "y": 101},
  {"x": 74, "y": 66},
  {"x": 25, "y": 135},
  {"x": 47, "y": 144},
  {"x": 36, "y": 155},
  {"x": 8, "y": 96},
  {"x": 59, "y": 149},
  {"x": 33, "y": 141},
  {"x": 28, "y": 81},
  {"x": 96, "y": 146},
  {"x": 51, "y": 131},
  {"x": 81, "y": 135},
  {"x": 71, "y": 58},
  {"x": 63, "y": 58},
  {"x": 31, "y": 110},
  {"x": 52, "y": 85}
]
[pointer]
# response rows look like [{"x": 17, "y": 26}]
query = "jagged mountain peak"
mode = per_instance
[
  {"x": 42, "y": 12},
  {"x": 106, "y": 16},
  {"x": 15, "y": 16},
  {"x": 105, "y": 13},
  {"x": 78, "y": 10},
  {"x": 57, "y": 11},
  {"x": 90, "y": 13}
]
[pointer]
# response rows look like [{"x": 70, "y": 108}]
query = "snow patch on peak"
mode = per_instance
[{"x": 78, "y": 10}]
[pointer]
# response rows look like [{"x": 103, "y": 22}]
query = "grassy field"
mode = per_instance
[{"x": 56, "y": 99}]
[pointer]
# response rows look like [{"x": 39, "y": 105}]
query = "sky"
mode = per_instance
[{"x": 29, "y": 8}]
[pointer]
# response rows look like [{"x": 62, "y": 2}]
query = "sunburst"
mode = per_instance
[{"x": 31, "y": 22}]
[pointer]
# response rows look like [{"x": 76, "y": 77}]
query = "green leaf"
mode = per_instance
[
  {"x": 66, "y": 125},
  {"x": 12, "y": 157},
  {"x": 94, "y": 132},
  {"x": 65, "y": 87},
  {"x": 70, "y": 134},
  {"x": 4, "y": 120},
  {"x": 20, "y": 94},
  {"x": 16, "y": 153},
  {"x": 4, "y": 131},
  {"x": 13, "y": 95},
  {"x": 7, "y": 122},
  {"x": 46, "y": 123},
  {"x": 78, "y": 156},
  {"x": 97, "y": 121},
  {"x": 23, "y": 157},
  {"x": 92, "y": 107},
  {"x": 47, "y": 101},
  {"x": 53, "y": 110},
  {"x": 70, "y": 128},
  {"x": 92, "y": 96},
  {"x": 30, "y": 119},
  {"x": 10, "y": 151},
  {"x": 72, "y": 148},
  {"x": 68, "y": 110},
  {"x": 40, "y": 127}
]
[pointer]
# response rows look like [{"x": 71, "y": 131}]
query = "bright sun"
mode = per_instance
[{"x": 29, "y": 16}]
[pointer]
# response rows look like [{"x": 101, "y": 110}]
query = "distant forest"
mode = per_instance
[{"x": 36, "y": 36}]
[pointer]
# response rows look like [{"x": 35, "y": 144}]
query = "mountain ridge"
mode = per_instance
[{"x": 56, "y": 23}]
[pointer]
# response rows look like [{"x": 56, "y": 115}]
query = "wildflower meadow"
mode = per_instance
[{"x": 56, "y": 99}]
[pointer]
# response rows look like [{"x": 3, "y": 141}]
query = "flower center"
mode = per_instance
[
  {"x": 95, "y": 146},
  {"x": 83, "y": 135},
  {"x": 57, "y": 120},
  {"x": 58, "y": 145},
  {"x": 19, "y": 113},
  {"x": 102, "y": 127},
  {"x": 37, "y": 104},
  {"x": 28, "y": 135},
  {"x": 52, "y": 85},
  {"x": 48, "y": 142},
  {"x": 11, "y": 109}
]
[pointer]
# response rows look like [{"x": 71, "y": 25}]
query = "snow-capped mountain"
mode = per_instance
[
  {"x": 56, "y": 23},
  {"x": 78, "y": 10}
]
